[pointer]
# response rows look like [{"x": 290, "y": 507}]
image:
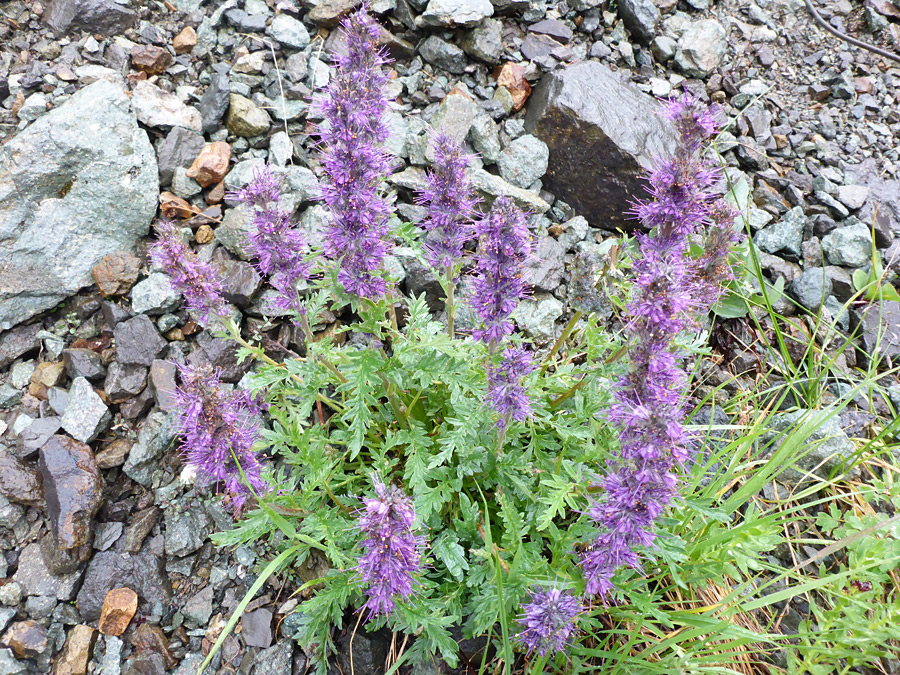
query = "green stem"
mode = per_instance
[
  {"x": 570, "y": 326},
  {"x": 450, "y": 290},
  {"x": 568, "y": 394},
  {"x": 395, "y": 404}
]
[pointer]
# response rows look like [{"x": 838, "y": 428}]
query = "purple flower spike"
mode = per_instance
[
  {"x": 392, "y": 551},
  {"x": 505, "y": 391},
  {"x": 549, "y": 621},
  {"x": 278, "y": 245},
  {"x": 670, "y": 288},
  {"x": 197, "y": 281},
  {"x": 505, "y": 246},
  {"x": 219, "y": 429},
  {"x": 350, "y": 137},
  {"x": 450, "y": 201}
]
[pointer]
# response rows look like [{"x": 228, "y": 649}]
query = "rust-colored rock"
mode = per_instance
[
  {"x": 116, "y": 273},
  {"x": 73, "y": 489},
  {"x": 147, "y": 638},
  {"x": 185, "y": 41},
  {"x": 75, "y": 654},
  {"x": 119, "y": 607},
  {"x": 47, "y": 374},
  {"x": 19, "y": 482},
  {"x": 216, "y": 194},
  {"x": 27, "y": 639},
  {"x": 512, "y": 77},
  {"x": 211, "y": 164},
  {"x": 149, "y": 59}
]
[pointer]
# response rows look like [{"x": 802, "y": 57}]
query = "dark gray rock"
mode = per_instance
[
  {"x": 124, "y": 381},
  {"x": 485, "y": 41},
  {"x": 640, "y": 17},
  {"x": 138, "y": 342},
  {"x": 812, "y": 287},
  {"x": 879, "y": 325},
  {"x": 83, "y": 363},
  {"x": 553, "y": 28},
  {"x": 19, "y": 482},
  {"x": 240, "y": 281},
  {"x": 545, "y": 270},
  {"x": 275, "y": 660},
  {"x": 186, "y": 531},
  {"x": 97, "y": 16},
  {"x": 77, "y": 184},
  {"x": 73, "y": 489},
  {"x": 368, "y": 649},
  {"x": 256, "y": 628},
  {"x": 35, "y": 579},
  {"x": 850, "y": 246},
  {"x": 179, "y": 149},
  {"x": 162, "y": 379},
  {"x": 222, "y": 354},
  {"x": 17, "y": 342},
  {"x": 144, "y": 573},
  {"x": 37, "y": 433},
  {"x": 214, "y": 102},
  {"x": 443, "y": 54},
  {"x": 154, "y": 438},
  {"x": 199, "y": 608},
  {"x": 785, "y": 236},
  {"x": 601, "y": 133},
  {"x": 524, "y": 161}
]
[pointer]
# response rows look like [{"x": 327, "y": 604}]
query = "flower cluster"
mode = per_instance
[
  {"x": 450, "y": 201},
  {"x": 219, "y": 429},
  {"x": 504, "y": 247},
  {"x": 351, "y": 134},
  {"x": 670, "y": 287},
  {"x": 197, "y": 281},
  {"x": 505, "y": 391},
  {"x": 548, "y": 620},
  {"x": 279, "y": 247},
  {"x": 392, "y": 556}
]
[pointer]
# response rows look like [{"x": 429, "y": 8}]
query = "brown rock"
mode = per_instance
[
  {"x": 149, "y": 59},
  {"x": 204, "y": 234},
  {"x": 114, "y": 454},
  {"x": 512, "y": 76},
  {"x": 73, "y": 489},
  {"x": 216, "y": 194},
  {"x": 185, "y": 41},
  {"x": 27, "y": 639},
  {"x": 119, "y": 607},
  {"x": 47, "y": 374},
  {"x": 116, "y": 273},
  {"x": 141, "y": 525},
  {"x": 18, "y": 482},
  {"x": 147, "y": 638},
  {"x": 211, "y": 164},
  {"x": 75, "y": 654}
]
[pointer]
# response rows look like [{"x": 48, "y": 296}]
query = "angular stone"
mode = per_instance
[
  {"x": 19, "y": 483},
  {"x": 524, "y": 161},
  {"x": 211, "y": 164},
  {"x": 141, "y": 525},
  {"x": 82, "y": 178},
  {"x": 154, "y": 437},
  {"x": 601, "y": 133},
  {"x": 83, "y": 363},
  {"x": 328, "y": 12},
  {"x": 640, "y": 17},
  {"x": 879, "y": 324},
  {"x": 124, "y": 381},
  {"x": 491, "y": 186},
  {"x": 199, "y": 608},
  {"x": 222, "y": 353},
  {"x": 850, "y": 246},
  {"x": 179, "y": 149},
  {"x": 86, "y": 415},
  {"x": 18, "y": 341},
  {"x": 185, "y": 41},
  {"x": 545, "y": 270},
  {"x": 47, "y": 374},
  {"x": 36, "y": 579},
  {"x": 785, "y": 236},
  {"x": 553, "y": 28},
  {"x": 485, "y": 41},
  {"x": 150, "y": 59},
  {"x": 455, "y": 115},
  {"x": 158, "y": 108},
  {"x": 116, "y": 273},
  {"x": 828, "y": 445},
  {"x": 105, "y": 17},
  {"x": 443, "y": 54},
  {"x": 451, "y": 13},
  {"x": 143, "y": 572},
  {"x": 113, "y": 454},
  {"x": 138, "y": 341},
  {"x": 27, "y": 639},
  {"x": 256, "y": 628},
  {"x": 511, "y": 77},
  {"x": 537, "y": 316},
  {"x": 812, "y": 288},
  {"x": 214, "y": 102},
  {"x": 701, "y": 48},
  {"x": 37, "y": 433},
  {"x": 155, "y": 294},
  {"x": 288, "y": 31},
  {"x": 162, "y": 377},
  {"x": 277, "y": 660},
  {"x": 119, "y": 607},
  {"x": 73, "y": 489},
  {"x": 185, "y": 532},
  {"x": 245, "y": 118},
  {"x": 75, "y": 654},
  {"x": 240, "y": 281}
]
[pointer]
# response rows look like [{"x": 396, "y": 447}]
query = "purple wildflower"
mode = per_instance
[
  {"x": 505, "y": 391},
  {"x": 549, "y": 621},
  {"x": 351, "y": 136},
  {"x": 450, "y": 201},
  {"x": 280, "y": 248},
  {"x": 392, "y": 555},
  {"x": 197, "y": 281},
  {"x": 505, "y": 246},
  {"x": 670, "y": 288},
  {"x": 219, "y": 429}
]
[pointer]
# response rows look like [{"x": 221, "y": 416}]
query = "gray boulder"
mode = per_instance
[
  {"x": 601, "y": 132},
  {"x": 98, "y": 16},
  {"x": 79, "y": 183},
  {"x": 640, "y": 17}
]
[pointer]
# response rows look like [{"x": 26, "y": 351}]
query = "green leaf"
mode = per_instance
[
  {"x": 448, "y": 550},
  {"x": 731, "y": 306},
  {"x": 560, "y": 492}
]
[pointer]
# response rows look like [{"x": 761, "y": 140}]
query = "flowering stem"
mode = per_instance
[
  {"x": 570, "y": 326},
  {"x": 450, "y": 290}
]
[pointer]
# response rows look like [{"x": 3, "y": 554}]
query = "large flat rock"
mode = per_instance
[
  {"x": 79, "y": 183},
  {"x": 602, "y": 132}
]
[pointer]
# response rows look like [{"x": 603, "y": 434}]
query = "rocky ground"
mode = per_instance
[{"x": 114, "y": 111}]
